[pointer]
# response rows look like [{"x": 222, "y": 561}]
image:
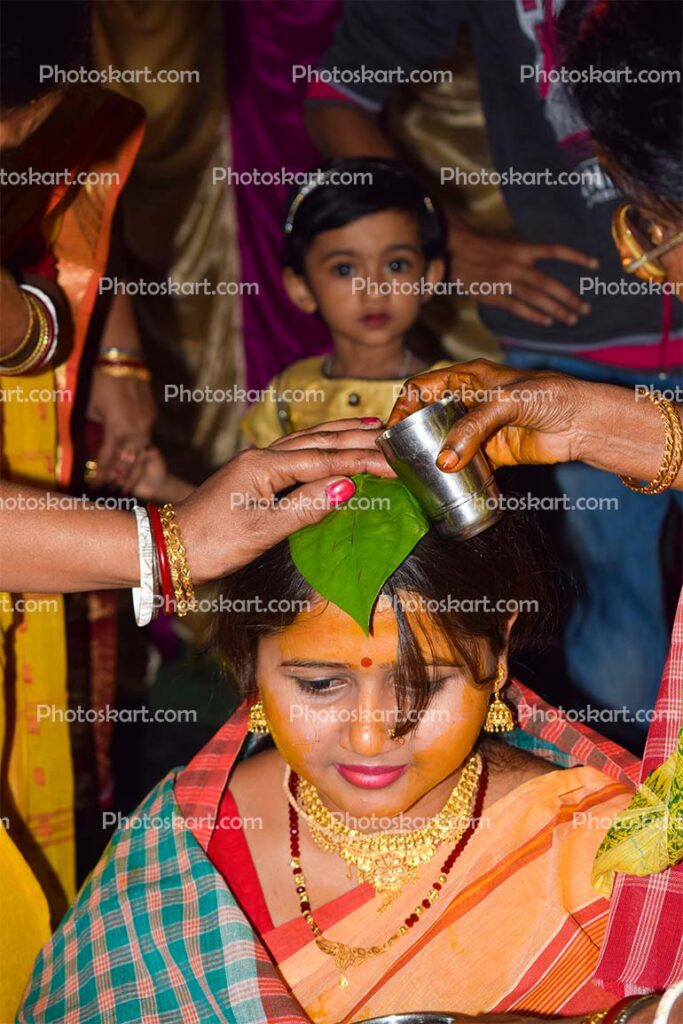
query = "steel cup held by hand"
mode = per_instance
[{"x": 460, "y": 504}]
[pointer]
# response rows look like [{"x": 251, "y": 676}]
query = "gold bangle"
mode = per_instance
[
  {"x": 672, "y": 460},
  {"x": 41, "y": 346},
  {"x": 140, "y": 372},
  {"x": 29, "y": 330},
  {"x": 119, "y": 355},
  {"x": 181, "y": 578}
]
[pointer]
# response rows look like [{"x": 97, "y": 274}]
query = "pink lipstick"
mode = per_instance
[{"x": 367, "y": 776}]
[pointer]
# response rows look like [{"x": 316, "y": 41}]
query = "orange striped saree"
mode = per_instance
[
  {"x": 517, "y": 927},
  {"x": 156, "y": 933}
]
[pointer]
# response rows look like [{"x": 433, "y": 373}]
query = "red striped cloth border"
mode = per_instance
[{"x": 643, "y": 947}]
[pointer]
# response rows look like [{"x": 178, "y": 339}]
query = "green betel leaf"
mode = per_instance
[{"x": 348, "y": 556}]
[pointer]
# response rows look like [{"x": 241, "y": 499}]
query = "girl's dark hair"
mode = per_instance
[
  {"x": 357, "y": 188},
  {"x": 638, "y": 124},
  {"x": 468, "y": 590},
  {"x": 54, "y": 33}
]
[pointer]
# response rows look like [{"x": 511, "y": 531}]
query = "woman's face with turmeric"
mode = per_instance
[{"x": 329, "y": 697}]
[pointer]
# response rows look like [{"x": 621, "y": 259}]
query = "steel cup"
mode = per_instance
[
  {"x": 460, "y": 504},
  {"x": 414, "y": 1018}
]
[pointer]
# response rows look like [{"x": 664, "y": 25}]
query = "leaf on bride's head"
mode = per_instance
[{"x": 350, "y": 554}]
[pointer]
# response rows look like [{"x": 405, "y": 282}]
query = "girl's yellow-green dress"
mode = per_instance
[{"x": 303, "y": 395}]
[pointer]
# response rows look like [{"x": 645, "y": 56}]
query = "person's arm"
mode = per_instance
[
  {"x": 340, "y": 130},
  {"x": 48, "y": 546},
  {"x": 526, "y": 417}
]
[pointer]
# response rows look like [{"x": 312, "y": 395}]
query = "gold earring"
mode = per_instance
[
  {"x": 499, "y": 717},
  {"x": 257, "y": 722},
  {"x": 397, "y": 739}
]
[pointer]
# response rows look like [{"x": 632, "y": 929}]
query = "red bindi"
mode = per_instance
[{"x": 366, "y": 662}]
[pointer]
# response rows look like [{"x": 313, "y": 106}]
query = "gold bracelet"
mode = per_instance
[
  {"x": 181, "y": 578},
  {"x": 42, "y": 345},
  {"x": 140, "y": 372},
  {"x": 672, "y": 459}
]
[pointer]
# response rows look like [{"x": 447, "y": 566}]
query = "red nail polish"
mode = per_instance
[
  {"x": 339, "y": 492},
  {"x": 371, "y": 419}
]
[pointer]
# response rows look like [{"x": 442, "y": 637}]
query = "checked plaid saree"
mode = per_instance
[{"x": 156, "y": 935}]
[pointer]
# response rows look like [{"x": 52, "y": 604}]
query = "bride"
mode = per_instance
[{"x": 418, "y": 833}]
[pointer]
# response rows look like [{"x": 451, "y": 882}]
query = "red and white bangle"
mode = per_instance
[{"x": 165, "y": 580}]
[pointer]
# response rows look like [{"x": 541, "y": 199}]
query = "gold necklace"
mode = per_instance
[
  {"x": 351, "y": 956},
  {"x": 388, "y": 860}
]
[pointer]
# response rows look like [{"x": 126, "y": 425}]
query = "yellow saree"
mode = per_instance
[{"x": 90, "y": 130}]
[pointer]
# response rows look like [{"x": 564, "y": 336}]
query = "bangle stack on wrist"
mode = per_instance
[
  {"x": 38, "y": 345},
  {"x": 175, "y": 579},
  {"x": 119, "y": 362},
  {"x": 673, "y": 451}
]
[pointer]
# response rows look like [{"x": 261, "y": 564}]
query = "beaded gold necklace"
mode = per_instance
[
  {"x": 351, "y": 956},
  {"x": 388, "y": 860}
]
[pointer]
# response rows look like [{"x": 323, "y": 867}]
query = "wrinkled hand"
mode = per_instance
[
  {"x": 532, "y": 294},
  {"x": 125, "y": 408},
  {"x": 233, "y": 518},
  {"x": 517, "y": 416}
]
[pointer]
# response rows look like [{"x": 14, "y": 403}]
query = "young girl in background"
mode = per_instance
[{"x": 364, "y": 248}]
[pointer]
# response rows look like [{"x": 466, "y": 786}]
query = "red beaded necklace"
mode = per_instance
[{"x": 350, "y": 956}]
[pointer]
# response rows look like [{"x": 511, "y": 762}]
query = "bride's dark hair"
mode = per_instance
[{"x": 468, "y": 590}]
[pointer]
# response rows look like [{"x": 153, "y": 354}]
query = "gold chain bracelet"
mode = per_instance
[
  {"x": 183, "y": 588},
  {"x": 672, "y": 459}
]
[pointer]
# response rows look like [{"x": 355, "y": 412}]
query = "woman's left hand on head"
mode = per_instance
[{"x": 234, "y": 516}]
